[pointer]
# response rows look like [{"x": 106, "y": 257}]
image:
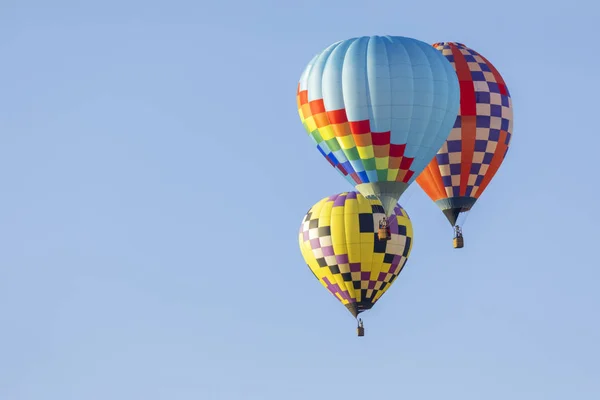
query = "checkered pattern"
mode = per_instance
[
  {"x": 482, "y": 131},
  {"x": 338, "y": 239},
  {"x": 359, "y": 154}
]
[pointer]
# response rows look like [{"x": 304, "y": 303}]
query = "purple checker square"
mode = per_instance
[
  {"x": 470, "y": 58},
  {"x": 328, "y": 251},
  {"x": 339, "y": 202},
  {"x": 483, "y": 121},
  {"x": 508, "y": 136},
  {"x": 447, "y": 180},
  {"x": 457, "y": 122},
  {"x": 344, "y": 293},
  {"x": 478, "y": 180},
  {"x": 305, "y": 236},
  {"x": 504, "y": 124},
  {"x": 394, "y": 224},
  {"x": 494, "y": 135},
  {"x": 442, "y": 159},
  {"x": 449, "y": 57},
  {"x": 468, "y": 191},
  {"x": 487, "y": 158},
  {"x": 382, "y": 276},
  {"x": 504, "y": 101},
  {"x": 475, "y": 167},
  {"x": 341, "y": 258},
  {"x": 354, "y": 267},
  {"x": 484, "y": 67},
  {"x": 455, "y": 191},
  {"x": 496, "y": 110},
  {"x": 398, "y": 211},
  {"x": 477, "y": 75},
  {"x": 365, "y": 276},
  {"x": 351, "y": 195},
  {"x": 335, "y": 288},
  {"x": 454, "y": 146},
  {"x": 315, "y": 244},
  {"x": 455, "y": 169},
  {"x": 480, "y": 145},
  {"x": 372, "y": 284},
  {"x": 494, "y": 88},
  {"x": 483, "y": 97},
  {"x": 332, "y": 197}
]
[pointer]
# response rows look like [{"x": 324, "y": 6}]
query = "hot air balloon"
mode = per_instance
[
  {"x": 378, "y": 109},
  {"x": 478, "y": 143},
  {"x": 338, "y": 242}
]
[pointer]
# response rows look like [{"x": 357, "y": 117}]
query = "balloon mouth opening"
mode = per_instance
[{"x": 386, "y": 193}]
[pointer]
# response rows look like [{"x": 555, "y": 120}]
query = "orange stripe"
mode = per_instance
[
  {"x": 438, "y": 180},
  {"x": 468, "y": 133},
  {"x": 393, "y": 162},
  {"x": 341, "y": 130},
  {"x": 431, "y": 181},
  {"x": 384, "y": 151},
  {"x": 303, "y": 97},
  {"x": 306, "y": 110},
  {"x": 321, "y": 120},
  {"x": 495, "y": 164},
  {"x": 363, "y": 140},
  {"x": 460, "y": 64},
  {"x": 401, "y": 175},
  {"x": 317, "y": 106}
]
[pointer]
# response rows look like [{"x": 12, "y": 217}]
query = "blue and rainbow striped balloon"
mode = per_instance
[{"x": 379, "y": 108}]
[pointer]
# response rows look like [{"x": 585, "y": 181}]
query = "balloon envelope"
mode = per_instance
[
  {"x": 378, "y": 109},
  {"x": 339, "y": 243},
  {"x": 478, "y": 143}
]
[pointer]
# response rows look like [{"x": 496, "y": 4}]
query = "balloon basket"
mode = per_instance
[
  {"x": 360, "y": 331},
  {"x": 382, "y": 234},
  {"x": 458, "y": 242}
]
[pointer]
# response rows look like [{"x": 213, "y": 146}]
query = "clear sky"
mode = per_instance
[{"x": 154, "y": 173}]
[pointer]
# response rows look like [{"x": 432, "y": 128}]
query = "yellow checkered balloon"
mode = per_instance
[{"x": 338, "y": 240}]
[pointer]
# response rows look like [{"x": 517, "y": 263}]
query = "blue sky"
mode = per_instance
[{"x": 154, "y": 173}]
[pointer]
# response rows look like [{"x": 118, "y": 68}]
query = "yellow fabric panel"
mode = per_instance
[
  {"x": 346, "y": 142},
  {"x": 345, "y": 254},
  {"x": 382, "y": 163},
  {"x": 310, "y": 124},
  {"x": 351, "y": 207},
  {"x": 392, "y": 174},
  {"x": 327, "y": 132},
  {"x": 364, "y": 205}
]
